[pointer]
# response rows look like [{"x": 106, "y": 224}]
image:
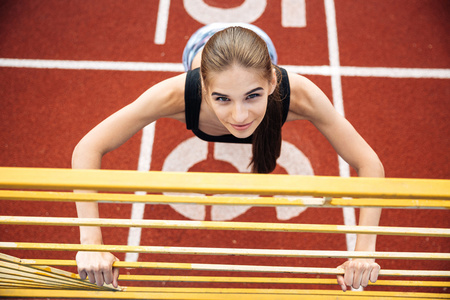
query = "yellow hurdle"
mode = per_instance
[
  {"x": 224, "y": 251},
  {"x": 215, "y": 225},
  {"x": 219, "y": 294},
  {"x": 222, "y": 183},
  {"x": 39, "y": 278},
  {"x": 214, "y": 200}
]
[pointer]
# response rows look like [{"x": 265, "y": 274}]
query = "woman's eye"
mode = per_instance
[
  {"x": 222, "y": 99},
  {"x": 251, "y": 96}
]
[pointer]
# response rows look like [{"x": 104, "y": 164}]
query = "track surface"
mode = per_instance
[{"x": 45, "y": 111}]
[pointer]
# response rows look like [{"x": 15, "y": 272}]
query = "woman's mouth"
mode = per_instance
[{"x": 241, "y": 127}]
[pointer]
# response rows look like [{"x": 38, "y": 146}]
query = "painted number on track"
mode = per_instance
[{"x": 293, "y": 14}]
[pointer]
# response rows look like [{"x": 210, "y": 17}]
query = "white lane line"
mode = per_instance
[
  {"x": 338, "y": 101},
  {"x": 371, "y": 71},
  {"x": 162, "y": 21},
  {"x": 178, "y": 67},
  {"x": 137, "y": 209},
  {"x": 395, "y": 72},
  {"x": 333, "y": 53},
  {"x": 90, "y": 65}
]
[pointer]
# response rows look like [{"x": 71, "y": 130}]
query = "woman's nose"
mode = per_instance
[{"x": 240, "y": 113}]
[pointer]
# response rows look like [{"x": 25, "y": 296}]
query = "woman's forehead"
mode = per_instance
[{"x": 237, "y": 76}]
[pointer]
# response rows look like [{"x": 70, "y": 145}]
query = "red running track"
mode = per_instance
[{"x": 45, "y": 112}]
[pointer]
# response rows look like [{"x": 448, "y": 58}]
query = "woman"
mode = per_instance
[{"x": 232, "y": 92}]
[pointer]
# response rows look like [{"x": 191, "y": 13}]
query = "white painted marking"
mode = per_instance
[
  {"x": 178, "y": 67},
  {"x": 295, "y": 163},
  {"x": 193, "y": 150},
  {"x": 239, "y": 156},
  {"x": 181, "y": 159},
  {"x": 134, "y": 233},
  {"x": 247, "y": 12},
  {"x": 162, "y": 22},
  {"x": 338, "y": 101},
  {"x": 91, "y": 65},
  {"x": 293, "y": 13},
  {"x": 344, "y": 168},
  {"x": 371, "y": 72},
  {"x": 333, "y": 52},
  {"x": 137, "y": 209},
  {"x": 395, "y": 72},
  {"x": 350, "y": 219}
]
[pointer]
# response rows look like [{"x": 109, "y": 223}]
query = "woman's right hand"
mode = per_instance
[{"x": 97, "y": 266}]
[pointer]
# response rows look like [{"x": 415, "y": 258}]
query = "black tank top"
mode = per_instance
[{"x": 193, "y": 101}]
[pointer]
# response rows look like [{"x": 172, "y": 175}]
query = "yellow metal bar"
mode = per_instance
[
  {"x": 239, "y": 268},
  {"x": 161, "y": 199},
  {"x": 9, "y": 280},
  {"x": 219, "y": 294},
  {"x": 215, "y": 225},
  {"x": 389, "y": 203},
  {"x": 226, "y": 251},
  {"x": 46, "y": 275},
  {"x": 30, "y": 280},
  {"x": 216, "y": 200},
  {"x": 37, "y": 276},
  {"x": 15, "y": 273},
  {"x": 42, "y": 283},
  {"x": 214, "y": 183},
  {"x": 277, "y": 280}
]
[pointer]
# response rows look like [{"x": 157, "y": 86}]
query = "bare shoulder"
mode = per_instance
[
  {"x": 307, "y": 99},
  {"x": 164, "y": 100}
]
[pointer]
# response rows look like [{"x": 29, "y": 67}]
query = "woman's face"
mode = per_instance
[{"x": 238, "y": 96}]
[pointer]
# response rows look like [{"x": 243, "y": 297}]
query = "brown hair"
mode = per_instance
[{"x": 243, "y": 47}]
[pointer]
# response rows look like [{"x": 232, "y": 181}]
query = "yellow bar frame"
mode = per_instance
[
  {"x": 219, "y": 294},
  {"x": 329, "y": 192},
  {"x": 215, "y": 200},
  {"x": 224, "y": 251},
  {"x": 222, "y": 183},
  {"x": 217, "y": 225}
]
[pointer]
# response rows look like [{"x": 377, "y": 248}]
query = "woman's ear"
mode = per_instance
[
  {"x": 204, "y": 89},
  {"x": 273, "y": 81}
]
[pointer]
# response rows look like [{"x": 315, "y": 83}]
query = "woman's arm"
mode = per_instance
[
  {"x": 308, "y": 102},
  {"x": 165, "y": 99}
]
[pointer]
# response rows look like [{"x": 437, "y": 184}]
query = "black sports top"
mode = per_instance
[{"x": 193, "y": 101}]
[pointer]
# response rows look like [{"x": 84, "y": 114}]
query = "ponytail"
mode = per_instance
[{"x": 266, "y": 144}]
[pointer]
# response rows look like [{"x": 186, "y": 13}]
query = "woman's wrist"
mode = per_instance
[{"x": 91, "y": 235}]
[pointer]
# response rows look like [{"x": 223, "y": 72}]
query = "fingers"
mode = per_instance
[
  {"x": 98, "y": 274},
  {"x": 91, "y": 276},
  {"x": 365, "y": 274},
  {"x": 358, "y": 273},
  {"x": 349, "y": 274},
  {"x": 98, "y": 268},
  {"x": 115, "y": 282},
  {"x": 375, "y": 271},
  {"x": 108, "y": 276},
  {"x": 341, "y": 282},
  {"x": 112, "y": 275},
  {"x": 82, "y": 274}
]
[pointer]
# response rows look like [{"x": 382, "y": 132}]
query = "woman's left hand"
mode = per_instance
[{"x": 358, "y": 272}]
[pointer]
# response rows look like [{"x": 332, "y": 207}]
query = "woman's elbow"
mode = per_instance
[
  {"x": 372, "y": 167},
  {"x": 84, "y": 156}
]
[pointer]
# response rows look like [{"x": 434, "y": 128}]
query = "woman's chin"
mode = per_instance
[{"x": 242, "y": 134}]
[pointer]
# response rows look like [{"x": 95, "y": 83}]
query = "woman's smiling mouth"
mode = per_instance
[{"x": 241, "y": 127}]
